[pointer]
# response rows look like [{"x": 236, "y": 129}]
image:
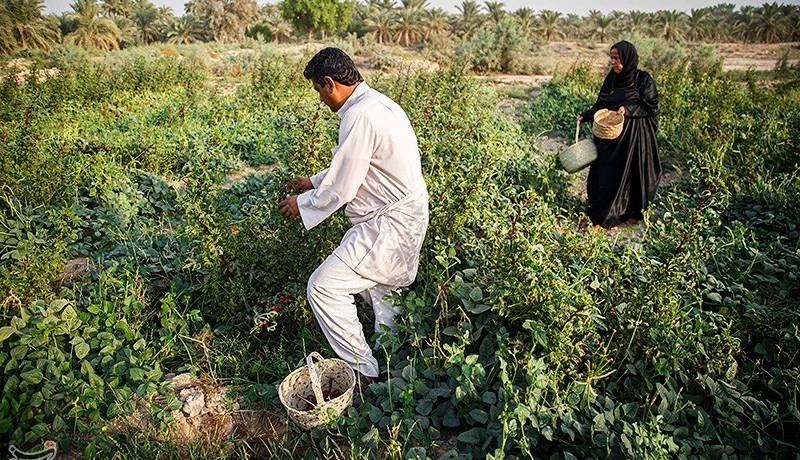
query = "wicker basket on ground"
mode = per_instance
[
  {"x": 328, "y": 380},
  {"x": 607, "y": 124}
]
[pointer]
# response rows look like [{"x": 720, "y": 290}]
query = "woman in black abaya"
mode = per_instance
[{"x": 624, "y": 178}]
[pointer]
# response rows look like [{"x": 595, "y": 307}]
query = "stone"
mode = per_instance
[
  {"x": 194, "y": 401},
  {"x": 181, "y": 381}
]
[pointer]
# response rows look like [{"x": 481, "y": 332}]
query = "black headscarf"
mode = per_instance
[{"x": 619, "y": 90}]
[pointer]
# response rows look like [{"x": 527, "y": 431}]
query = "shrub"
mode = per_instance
[{"x": 501, "y": 48}]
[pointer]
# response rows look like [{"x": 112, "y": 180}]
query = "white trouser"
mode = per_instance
[{"x": 330, "y": 293}]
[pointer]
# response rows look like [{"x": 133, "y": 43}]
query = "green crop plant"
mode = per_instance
[{"x": 523, "y": 336}]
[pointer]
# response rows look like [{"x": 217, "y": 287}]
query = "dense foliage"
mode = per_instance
[
  {"x": 110, "y": 24},
  {"x": 523, "y": 335}
]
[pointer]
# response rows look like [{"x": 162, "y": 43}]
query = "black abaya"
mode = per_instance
[{"x": 625, "y": 176}]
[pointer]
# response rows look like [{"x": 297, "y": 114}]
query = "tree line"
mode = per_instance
[{"x": 114, "y": 24}]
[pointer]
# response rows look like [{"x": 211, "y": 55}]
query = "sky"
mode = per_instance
[{"x": 574, "y": 6}]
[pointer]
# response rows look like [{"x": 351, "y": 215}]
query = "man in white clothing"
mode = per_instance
[{"x": 376, "y": 174}]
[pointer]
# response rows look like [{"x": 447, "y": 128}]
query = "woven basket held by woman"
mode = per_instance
[{"x": 624, "y": 178}]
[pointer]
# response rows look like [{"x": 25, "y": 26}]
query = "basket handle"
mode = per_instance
[{"x": 312, "y": 373}]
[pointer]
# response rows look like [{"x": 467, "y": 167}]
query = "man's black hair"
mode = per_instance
[{"x": 334, "y": 63}]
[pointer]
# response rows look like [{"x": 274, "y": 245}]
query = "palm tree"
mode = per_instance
[
  {"x": 550, "y": 24},
  {"x": 128, "y": 32},
  {"x": 526, "y": 19},
  {"x": 380, "y": 23},
  {"x": 470, "y": 18},
  {"x": 145, "y": 15},
  {"x": 697, "y": 24},
  {"x": 91, "y": 29},
  {"x": 636, "y": 22},
  {"x": 617, "y": 15},
  {"x": 574, "y": 24},
  {"x": 224, "y": 20},
  {"x": 436, "y": 23},
  {"x": 601, "y": 25},
  {"x": 743, "y": 25},
  {"x": 272, "y": 25},
  {"x": 25, "y": 26},
  {"x": 116, "y": 7},
  {"x": 185, "y": 29},
  {"x": 672, "y": 24},
  {"x": 389, "y": 4},
  {"x": 794, "y": 25},
  {"x": 496, "y": 11},
  {"x": 415, "y": 4},
  {"x": 409, "y": 27},
  {"x": 768, "y": 23},
  {"x": 7, "y": 41}
]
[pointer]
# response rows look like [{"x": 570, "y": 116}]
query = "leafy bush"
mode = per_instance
[
  {"x": 69, "y": 57},
  {"x": 502, "y": 48},
  {"x": 659, "y": 54},
  {"x": 522, "y": 333}
]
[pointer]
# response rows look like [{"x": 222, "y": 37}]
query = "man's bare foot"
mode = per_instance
[{"x": 633, "y": 221}]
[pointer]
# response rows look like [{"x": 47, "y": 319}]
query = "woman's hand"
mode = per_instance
[{"x": 621, "y": 111}]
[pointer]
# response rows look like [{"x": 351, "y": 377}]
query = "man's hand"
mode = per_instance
[
  {"x": 300, "y": 184},
  {"x": 579, "y": 117},
  {"x": 288, "y": 207}
]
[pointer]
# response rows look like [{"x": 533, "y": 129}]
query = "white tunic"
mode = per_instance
[{"x": 376, "y": 172}]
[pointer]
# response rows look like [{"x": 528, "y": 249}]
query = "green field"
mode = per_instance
[{"x": 140, "y": 237}]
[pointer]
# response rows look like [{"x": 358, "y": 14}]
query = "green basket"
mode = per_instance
[{"x": 578, "y": 155}]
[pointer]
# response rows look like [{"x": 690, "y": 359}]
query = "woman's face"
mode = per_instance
[{"x": 616, "y": 62}]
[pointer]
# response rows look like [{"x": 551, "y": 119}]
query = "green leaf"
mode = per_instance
[
  {"x": 472, "y": 436},
  {"x": 479, "y": 416},
  {"x": 36, "y": 399},
  {"x": 59, "y": 424},
  {"x": 32, "y": 376},
  {"x": 69, "y": 314},
  {"x": 714, "y": 297},
  {"x": 450, "y": 421},
  {"x": 136, "y": 374},
  {"x": 424, "y": 406},
  {"x": 477, "y": 308},
  {"x": 58, "y": 305},
  {"x": 81, "y": 350},
  {"x": 374, "y": 413},
  {"x": 5, "y": 332},
  {"x": 416, "y": 453},
  {"x": 39, "y": 431},
  {"x": 476, "y": 294},
  {"x": 409, "y": 373}
]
